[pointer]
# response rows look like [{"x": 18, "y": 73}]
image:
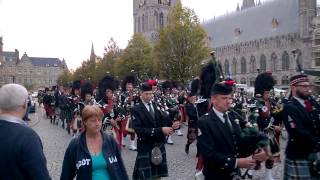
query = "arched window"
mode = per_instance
[
  {"x": 252, "y": 80},
  {"x": 285, "y": 61},
  {"x": 243, "y": 81},
  {"x": 226, "y": 67},
  {"x": 263, "y": 63},
  {"x": 234, "y": 66},
  {"x": 139, "y": 24},
  {"x": 143, "y": 21},
  {"x": 243, "y": 65},
  {"x": 252, "y": 64},
  {"x": 273, "y": 62},
  {"x": 146, "y": 26},
  {"x": 284, "y": 80},
  {"x": 299, "y": 57},
  {"x": 136, "y": 25},
  {"x": 156, "y": 20},
  {"x": 161, "y": 19}
]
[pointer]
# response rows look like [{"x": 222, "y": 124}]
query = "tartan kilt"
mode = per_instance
[
  {"x": 192, "y": 134},
  {"x": 145, "y": 170},
  {"x": 297, "y": 169},
  {"x": 68, "y": 115},
  {"x": 49, "y": 110}
]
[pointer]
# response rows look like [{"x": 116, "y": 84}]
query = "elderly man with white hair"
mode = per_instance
[{"x": 21, "y": 152}]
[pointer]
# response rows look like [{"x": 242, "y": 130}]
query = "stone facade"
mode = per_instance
[
  {"x": 150, "y": 15},
  {"x": 32, "y": 72},
  {"x": 261, "y": 37}
]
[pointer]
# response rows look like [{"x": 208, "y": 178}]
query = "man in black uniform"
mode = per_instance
[
  {"x": 219, "y": 141},
  {"x": 151, "y": 128},
  {"x": 301, "y": 118}
]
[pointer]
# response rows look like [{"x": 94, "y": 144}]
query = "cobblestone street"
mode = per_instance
[{"x": 181, "y": 166}]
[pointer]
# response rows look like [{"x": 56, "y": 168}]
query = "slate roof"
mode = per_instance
[
  {"x": 10, "y": 55},
  {"x": 254, "y": 23},
  {"x": 48, "y": 62}
]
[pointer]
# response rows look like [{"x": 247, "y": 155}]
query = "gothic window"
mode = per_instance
[
  {"x": 146, "y": 26},
  {"x": 274, "y": 23},
  {"x": 299, "y": 57},
  {"x": 252, "y": 80},
  {"x": 243, "y": 81},
  {"x": 143, "y": 21},
  {"x": 243, "y": 65},
  {"x": 252, "y": 64},
  {"x": 285, "y": 61},
  {"x": 237, "y": 32},
  {"x": 273, "y": 62},
  {"x": 275, "y": 80},
  {"x": 284, "y": 80},
  {"x": 156, "y": 20},
  {"x": 161, "y": 19},
  {"x": 263, "y": 63},
  {"x": 139, "y": 25},
  {"x": 234, "y": 66},
  {"x": 226, "y": 67}
]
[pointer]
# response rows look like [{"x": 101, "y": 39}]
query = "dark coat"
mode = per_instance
[
  {"x": 303, "y": 129},
  {"x": 149, "y": 134},
  {"x": 21, "y": 150},
  {"x": 77, "y": 160},
  {"x": 219, "y": 147},
  {"x": 192, "y": 114}
]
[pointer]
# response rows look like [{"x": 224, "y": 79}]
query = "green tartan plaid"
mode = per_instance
[
  {"x": 145, "y": 170},
  {"x": 297, "y": 170}
]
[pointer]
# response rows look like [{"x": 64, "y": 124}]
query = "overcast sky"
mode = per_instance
[{"x": 66, "y": 28}]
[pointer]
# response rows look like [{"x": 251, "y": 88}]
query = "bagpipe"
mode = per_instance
[
  {"x": 112, "y": 111},
  {"x": 76, "y": 111}
]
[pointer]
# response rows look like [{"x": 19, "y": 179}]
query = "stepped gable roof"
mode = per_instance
[{"x": 270, "y": 19}]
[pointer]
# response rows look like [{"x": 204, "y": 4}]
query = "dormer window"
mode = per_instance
[
  {"x": 275, "y": 23},
  {"x": 237, "y": 32}
]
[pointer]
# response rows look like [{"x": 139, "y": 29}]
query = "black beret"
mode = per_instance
[
  {"x": 221, "y": 89},
  {"x": 145, "y": 87}
]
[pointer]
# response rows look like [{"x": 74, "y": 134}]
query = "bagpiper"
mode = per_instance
[
  {"x": 128, "y": 98},
  {"x": 112, "y": 120},
  {"x": 75, "y": 123},
  {"x": 301, "y": 119},
  {"x": 48, "y": 102},
  {"x": 269, "y": 118}
]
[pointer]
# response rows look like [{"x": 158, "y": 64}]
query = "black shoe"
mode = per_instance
[{"x": 186, "y": 149}]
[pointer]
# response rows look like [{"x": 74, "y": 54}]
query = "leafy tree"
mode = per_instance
[
  {"x": 182, "y": 45},
  {"x": 108, "y": 62},
  {"x": 137, "y": 57},
  {"x": 65, "y": 78}
]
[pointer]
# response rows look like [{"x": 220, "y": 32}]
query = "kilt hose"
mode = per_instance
[{"x": 297, "y": 170}]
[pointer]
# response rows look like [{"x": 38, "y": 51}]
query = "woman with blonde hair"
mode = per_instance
[{"x": 93, "y": 154}]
